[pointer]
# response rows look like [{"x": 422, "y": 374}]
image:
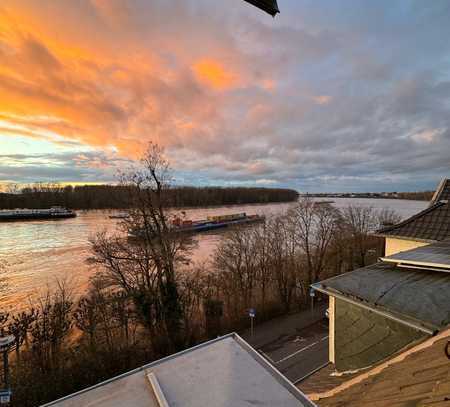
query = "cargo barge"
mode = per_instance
[
  {"x": 179, "y": 225},
  {"x": 55, "y": 212}
]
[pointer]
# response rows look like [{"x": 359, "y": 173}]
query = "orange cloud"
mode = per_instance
[
  {"x": 322, "y": 99},
  {"x": 214, "y": 74},
  {"x": 122, "y": 78}
]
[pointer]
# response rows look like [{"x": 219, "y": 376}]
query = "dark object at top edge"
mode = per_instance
[{"x": 269, "y": 6}]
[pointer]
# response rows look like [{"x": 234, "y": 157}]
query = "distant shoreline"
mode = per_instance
[{"x": 406, "y": 196}]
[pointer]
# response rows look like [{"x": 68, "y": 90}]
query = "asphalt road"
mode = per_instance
[{"x": 299, "y": 354}]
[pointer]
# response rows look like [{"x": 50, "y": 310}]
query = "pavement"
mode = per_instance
[{"x": 296, "y": 344}]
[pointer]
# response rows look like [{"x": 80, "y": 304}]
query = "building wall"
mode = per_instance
[
  {"x": 394, "y": 245},
  {"x": 331, "y": 328},
  {"x": 363, "y": 338}
]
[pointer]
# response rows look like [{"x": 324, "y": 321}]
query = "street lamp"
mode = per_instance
[{"x": 6, "y": 344}]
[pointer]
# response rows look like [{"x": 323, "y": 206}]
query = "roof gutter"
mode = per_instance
[{"x": 375, "y": 310}]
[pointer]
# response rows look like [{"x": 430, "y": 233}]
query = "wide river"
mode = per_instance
[{"x": 38, "y": 253}]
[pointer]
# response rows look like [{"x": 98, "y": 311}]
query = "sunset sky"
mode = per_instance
[{"x": 328, "y": 96}]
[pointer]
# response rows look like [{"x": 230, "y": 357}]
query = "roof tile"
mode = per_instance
[{"x": 431, "y": 224}]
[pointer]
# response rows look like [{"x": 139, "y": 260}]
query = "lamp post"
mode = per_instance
[
  {"x": 312, "y": 294},
  {"x": 252, "y": 315},
  {"x": 6, "y": 344}
]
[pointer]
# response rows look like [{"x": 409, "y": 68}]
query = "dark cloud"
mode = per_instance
[{"x": 328, "y": 96}]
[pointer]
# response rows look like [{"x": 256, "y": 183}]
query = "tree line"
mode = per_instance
[
  {"x": 148, "y": 300},
  {"x": 44, "y": 195},
  {"x": 417, "y": 196}
]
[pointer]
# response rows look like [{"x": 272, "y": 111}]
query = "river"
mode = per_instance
[{"x": 38, "y": 253}]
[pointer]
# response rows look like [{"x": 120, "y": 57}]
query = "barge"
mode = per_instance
[
  {"x": 179, "y": 225},
  {"x": 120, "y": 215},
  {"x": 55, "y": 212}
]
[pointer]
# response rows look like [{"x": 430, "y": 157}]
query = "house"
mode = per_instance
[
  {"x": 389, "y": 322},
  {"x": 379, "y": 310},
  {"x": 226, "y": 371},
  {"x": 429, "y": 226},
  {"x": 419, "y": 376}
]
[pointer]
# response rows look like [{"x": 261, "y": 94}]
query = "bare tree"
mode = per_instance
[
  {"x": 357, "y": 227},
  {"x": 387, "y": 217},
  {"x": 235, "y": 261},
  {"x": 315, "y": 225},
  {"x": 50, "y": 326},
  {"x": 145, "y": 267}
]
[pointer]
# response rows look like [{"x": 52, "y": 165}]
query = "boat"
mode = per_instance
[
  {"x": 323, "y": 202},
  {"x": 120, "y": 215},
  {"x": 55, "y": 212},
  {"x": 179, "y": 225}
]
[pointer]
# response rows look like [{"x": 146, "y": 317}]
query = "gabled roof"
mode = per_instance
[
  {"x": 429, "y": 225},
  {"x": 442, "y": 192},
  {"x": 418, "y": 298},
  {"x": 419, "y": 376},
  {"x": 223, "y": 372}
]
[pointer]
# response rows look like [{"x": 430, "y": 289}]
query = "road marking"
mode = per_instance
[{"x": 300, "y": 350}]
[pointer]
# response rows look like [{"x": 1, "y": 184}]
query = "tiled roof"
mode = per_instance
[
  {"x": 418, "y": 377},
  {"x": 411, "y": 295},
  {"x": 442, "y": 192},
  {"x": 432, "y": 224},
  {"x": 324, "y": 380}
]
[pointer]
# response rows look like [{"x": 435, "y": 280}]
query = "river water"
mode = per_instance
[{"x": 38, "y": 253}]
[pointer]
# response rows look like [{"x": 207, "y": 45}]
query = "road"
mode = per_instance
[
  {"x": 299, "y": 355},
  {"x": 296, "y": 344}
]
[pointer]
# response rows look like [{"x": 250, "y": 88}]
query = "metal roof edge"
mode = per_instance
[
  {"x": 422, "y": 264},
  {"x": 438, "y": 191},
  {"x": 422, "y": 326},
  {"x": 275, "y": 373},
  {"x": 156, "y": 388}
]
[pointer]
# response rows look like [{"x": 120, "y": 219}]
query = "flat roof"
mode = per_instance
[
  {"x": 419, "y": 298},
  {"x": 223, "y": 372},
  {"x": 435, "y": 255}
]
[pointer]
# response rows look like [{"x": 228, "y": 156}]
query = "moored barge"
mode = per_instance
[
  {"x": 55, "y": 212},
  {"x": 179, "y": 225}
]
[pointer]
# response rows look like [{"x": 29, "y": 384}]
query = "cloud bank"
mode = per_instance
[{"x": 326, "y": 97}]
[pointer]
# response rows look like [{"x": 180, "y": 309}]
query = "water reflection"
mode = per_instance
[{"x": 38, "y": 252}]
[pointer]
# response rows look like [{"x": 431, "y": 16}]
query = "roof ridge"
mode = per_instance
[
  {"x": 381, "y": 367},
  {"x": 439, "y": 190}
]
